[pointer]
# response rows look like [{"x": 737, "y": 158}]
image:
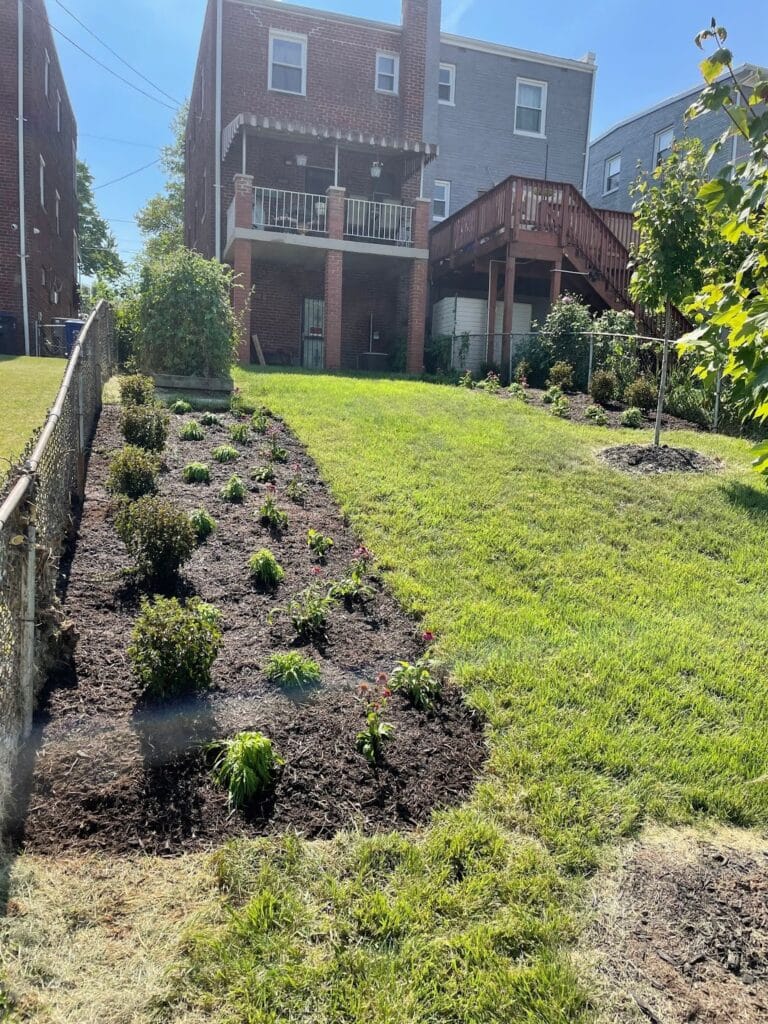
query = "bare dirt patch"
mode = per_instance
[
  {"x": 681, "y": 930},
  {"x": 649, "y": 458},
  {"x": 109, "y": 773}
]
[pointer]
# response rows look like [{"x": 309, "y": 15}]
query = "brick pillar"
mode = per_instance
[
  {"x": 241, "y": 262},
  {"x": 510, "y": 270},
  {"x": 418, "y": 287},
  {"x": 422, "y": 209},
  {"x": 335, "y": 213},
  {"x": 334, "y": 272}
]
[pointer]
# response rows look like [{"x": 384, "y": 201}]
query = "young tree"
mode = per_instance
[
  {"x": 677, "y": 236},
  {"x": 161, "y": 221},
  {"x": 98, "y": 256},
  {"x": 732, "y": 308}
]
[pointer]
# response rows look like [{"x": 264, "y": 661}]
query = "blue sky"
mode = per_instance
[{"x": 645, "y": 52}]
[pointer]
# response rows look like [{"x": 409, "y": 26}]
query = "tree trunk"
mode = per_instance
[{"x": 664, "y": 367}]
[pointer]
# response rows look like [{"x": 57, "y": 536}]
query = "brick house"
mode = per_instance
[{"x": 38, "y": 200}]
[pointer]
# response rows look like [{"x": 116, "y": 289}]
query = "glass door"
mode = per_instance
[{"x": 313, "y": 334}]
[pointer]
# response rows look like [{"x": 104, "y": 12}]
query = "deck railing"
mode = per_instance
[
  {"x": 276, "y": 209},
  {"x": 367, "y": 221}
]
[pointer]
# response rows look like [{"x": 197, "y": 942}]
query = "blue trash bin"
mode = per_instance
[{"x": 72, "y": 330}]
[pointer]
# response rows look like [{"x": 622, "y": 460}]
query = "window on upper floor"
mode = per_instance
[
  {"x": 57, "y": 208},
  {"x": 387, "y": 73},
  {"x": 46, "y": 72},
  {"x": 530, "y": 107},
  {"x": 611, "y": 174},
  {"x": 446, "y": 90},
  {"x": 441, "y": 202},
  {"x": 662, "y": 145},
  {"x": 42, "y": 182},
  {"x": 58, "y": 111},
  {"x": 288, "y": 63}
]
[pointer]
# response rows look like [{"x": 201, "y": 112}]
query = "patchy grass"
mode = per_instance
[
  {"x": 28, "y": 387},
  {"x": 607, "y": 625}
]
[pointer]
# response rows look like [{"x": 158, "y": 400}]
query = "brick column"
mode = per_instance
[
  {"x": 417, "y": 291},
  {"x": 241, "y": 262},
  {"x": 335, "y": 212},
  {"x": 334, "y": 275}
]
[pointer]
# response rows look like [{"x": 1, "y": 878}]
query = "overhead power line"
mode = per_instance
[
  {"x": 117, "y": 55},
  {"x": 121, "y": 142},
  {"x": 130, "y": 174}
]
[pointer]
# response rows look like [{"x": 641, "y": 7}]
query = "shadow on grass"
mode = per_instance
[{"x": 753, "y": 500}]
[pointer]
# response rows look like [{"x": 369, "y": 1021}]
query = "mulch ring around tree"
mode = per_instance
[
  {"x": 109, "y": 772},
  {"x": 649, "y": 458}
]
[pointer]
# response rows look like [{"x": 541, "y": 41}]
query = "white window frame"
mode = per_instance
[
  {"x": 58, "y": 112},
  {"x": 540, "y": 85},
  {"x": 47, "y": 73},
  {"x": 288, "y": 37},
  {"x": 657, "y": 139},
  {"x": 76, "y": 252},
  {"x": 42, "y": 181},
  {"x": 607, "y": 174},
  {"x": 447, "y": 200},
  {"x": 451, "y": 69},
  {"x": 57, "y": 212},
  {"x": 395, "y": 58}
]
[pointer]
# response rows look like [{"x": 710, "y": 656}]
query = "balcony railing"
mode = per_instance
[
  {"x": 277, "y": 210},
  {"x": 390, "y": 223}
]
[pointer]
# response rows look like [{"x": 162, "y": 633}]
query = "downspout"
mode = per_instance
[
  {"x": 589, "y": 130},
  {"x": 22, "y": 189},
  {"x": 217, "y": 126}
]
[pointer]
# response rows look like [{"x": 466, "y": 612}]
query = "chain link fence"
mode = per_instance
[{"x": 37, "y": 514}]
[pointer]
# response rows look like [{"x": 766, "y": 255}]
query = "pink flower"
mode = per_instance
[
  {"x": 428, "y": 637},
  {"x": 386, "y": 692},
  {"x": 363, "y": 688},
  {"x": 316, "y": 570},
  {"x": 271, "y": 488},
  {"x": 381, "y": 679}
]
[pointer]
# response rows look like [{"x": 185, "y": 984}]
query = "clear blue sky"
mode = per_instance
[{"x": 645, "y": 52}]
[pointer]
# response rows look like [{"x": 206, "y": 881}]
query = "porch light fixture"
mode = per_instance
[
  {"x": 301, "y": 160},
  {"x": 376, "y": 168}
]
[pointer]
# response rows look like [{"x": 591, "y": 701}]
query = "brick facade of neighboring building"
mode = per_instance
[{"x": 50, "y": 142}]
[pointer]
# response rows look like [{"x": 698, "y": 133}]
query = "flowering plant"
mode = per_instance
[{"x": 371, "y": 739}]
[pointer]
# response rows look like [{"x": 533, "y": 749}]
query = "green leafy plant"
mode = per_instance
[
  {"x": 565, "y": 338},
  {"x": 561, "y": 375},
  {"x": 234, "y": 490},
  {"x": 239, "y": 405},
  {"x": 275, "y": 452},
  {"x": 136, "y": 389},
  {"x": 180, "y": 407},
  {"x": 318, "y": 544},
  {"x": 270, "y": 515},
  {"x": 264, "y": 474},
  {"x": 132, "y": 472},
  {"x": 522, "y": 372},
  {"x": 246, "y": 766},
  {"x": 307, "y": 613},
  {"x": 265, "y": 569},
  {"x": 196, "y": 473},
  {"x": 491, "y": 383},
  {"x": 145, "y": 426},
  {"x": 210, "y": 419},
  {"x": 240, "y": 433},
  {"x": 370, "y": 740},
  {"x": 293, "y": 670},
  {"x": 192, "y": 431},
  {"x": 517, "y": 390},
  {"x": 225, "y": 453},
  {"x": 420, "y": 683},
  {"x": 596, "y": 414},
  {"x": 642, "y": 393},
  {"x": 296, "y": 491},
  {"x": 561, "y": 407},
  {"x": 173, "y": 646},
  {"x": 604, "y": 386},
  {"x": 159, "y": 537},
  {"x": 466, "y": 380},
  {"x": 203, "y": 524},
  {"x": 259, "y": 422},
  {"x": 552, "y": 394},
  {"x": 632, "y": 417},
  {"x": 352, "y": 588}
]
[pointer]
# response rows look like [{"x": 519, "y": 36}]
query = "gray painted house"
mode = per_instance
[
  {"x": 503, "y": 111},
  {"x": 617, "y": 156}
]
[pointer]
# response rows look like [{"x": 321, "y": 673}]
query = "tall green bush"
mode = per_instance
[
  {"x": 565, "y": 335},
  {"x": 186, "y": 322}
]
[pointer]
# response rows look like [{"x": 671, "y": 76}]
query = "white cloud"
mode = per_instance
[{"x": 454, "y": 13}]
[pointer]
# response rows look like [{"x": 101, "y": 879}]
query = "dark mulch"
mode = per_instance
[
  {"x": 649, "y": 458},
  {"x": 580, "y": 402},
  {"x": 112, "y": 774}
]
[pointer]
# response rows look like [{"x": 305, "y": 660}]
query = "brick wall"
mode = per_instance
[{"x": 200, "y": 193}]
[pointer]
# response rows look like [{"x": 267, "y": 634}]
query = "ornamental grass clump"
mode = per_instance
[
  {"x": 239, "y": 432},
  {"x": 159, "y": 537},
  {"x": 203, "y": 524},
  {"x": 265, "y": 570},
  {"x": 196, "y": 473},
  {"x": 225, "y": 453},
  {"x": 246, "y": 766},
  {"x": 173, "y": 646},
  {"x": 133, "y": 473},
  {"x": 192, "y": 431},
  {"x": 234, "y": 490},
  {"x": 293, "y": 670},
  {"x": 180, "y": 407},
  {"x": 145, "y": 426},
  {"x": 136, "y": 389},
  {"x": 210, "y": 419}
]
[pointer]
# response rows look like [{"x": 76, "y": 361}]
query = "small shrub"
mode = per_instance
[
  {"x": 271, "y": 516},
  {"x": 210, "y": 419},
  {"x": 596, "y": 415},
  {"x": 265, "y": 569},
  {"x": 196, "y": 473},
  {"x": 180, "y": 407},
  {"x": 370, "y": 741},
  {"x": 466, "y": 381},
  {"x": 632, "y": 417},
  {"x": 604, "y": 387},
  {"x": 239, "y": 433},
  {"x": 352, "y": 589},
  {"x": 561, "y": 375},
  {"x": 132, "y": 472},
  {"x": 137, "y": 389},
  {"x": 225, "y": 453},
  {"x": 420, "y": 684},
  {"x": 518, "y": 391},
  {"x": 234, "y": 490},
  {"x": 202, "y": 523},
  {"x": 264, "y": 474},
  {"x": 246, "y": 766},
  {"x": 642, "y": 393},
  {"x": 292, "y": 670},
  {"x": 318, "y": 544},
  {"x": 552, "y": 394},
  {"x": 241, "y": 406},
  {"x": 192, "y": 431},
  {"x": 307, "y": 613},
  {"x": 561, "y": 407},
  {"x": 145, "y": 426},
  {"x": 173, "y": 646},
  {"x": 159, "y": 536},
  {"x": 259, "y": 422}
]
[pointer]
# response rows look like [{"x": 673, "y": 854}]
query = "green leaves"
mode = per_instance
[{"x": 714, "y": 66}]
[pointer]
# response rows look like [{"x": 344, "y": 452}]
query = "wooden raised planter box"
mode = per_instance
[{"x": 209, "y": 387}]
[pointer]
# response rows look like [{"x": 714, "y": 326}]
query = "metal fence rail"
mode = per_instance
[{"x": 36, "y": 516}]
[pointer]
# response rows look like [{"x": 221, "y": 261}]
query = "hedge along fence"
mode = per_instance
[{"x": 36, "y": 518}]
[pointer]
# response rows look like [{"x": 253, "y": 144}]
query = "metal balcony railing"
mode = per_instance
[
  {"x": 275, "y": 209},
  {"x": 388, "y": 223}
]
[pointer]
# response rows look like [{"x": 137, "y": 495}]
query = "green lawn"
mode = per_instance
[
  {"x": 611, "y": 629},
  {"x": 28, "y": 388}
]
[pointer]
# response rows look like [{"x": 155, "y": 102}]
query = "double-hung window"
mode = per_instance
[
  {"x": 387, "y": 73},
  {"x": 446, "y": 90},
  {"x": 42, "y": 182},
  {"x": 662, "y": 145},
  {"x": 530, "y": 107},
  {"x": 58, "y": 213},
  {"x": 288, "y": 63},
  {"x": 441, "y": 203},
  {"x": 612, "y": 172}
]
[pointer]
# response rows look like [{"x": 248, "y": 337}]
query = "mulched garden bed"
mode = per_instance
[
  {"x": 111, "y": 773},
  {"x": 649, "y": 458},
  {"x": 580, "y": 402}
]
